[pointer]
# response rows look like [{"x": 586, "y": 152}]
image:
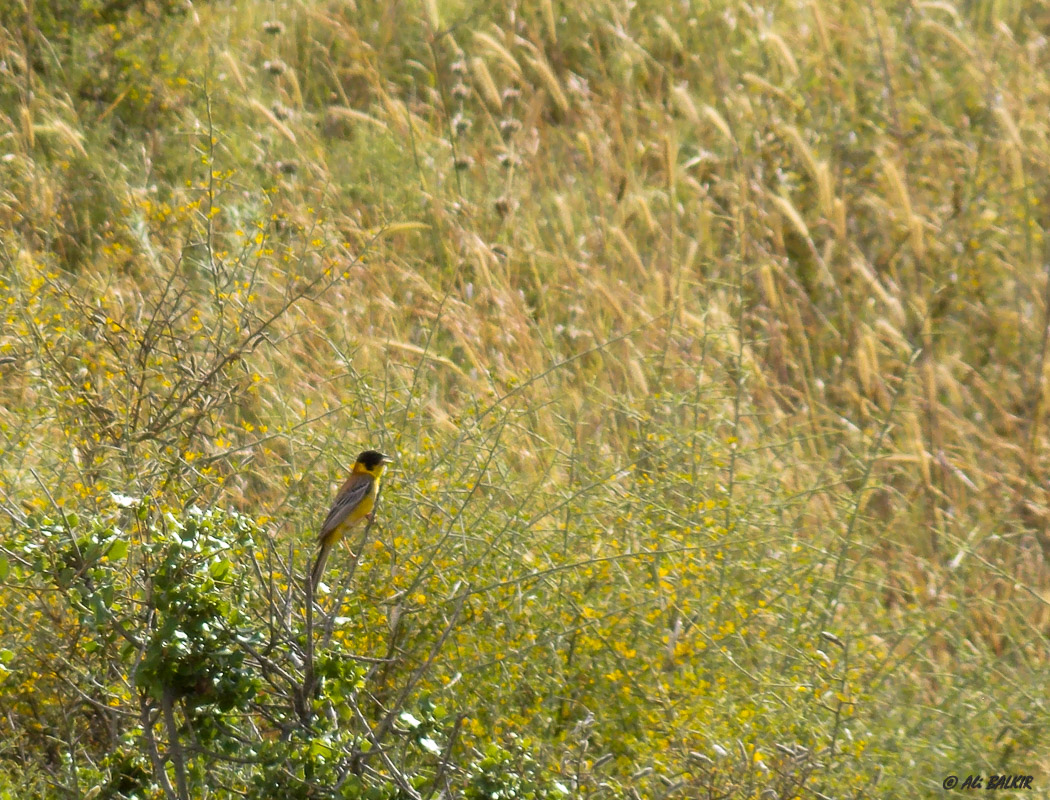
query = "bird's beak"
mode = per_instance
[{"x": 388, "y": 459}]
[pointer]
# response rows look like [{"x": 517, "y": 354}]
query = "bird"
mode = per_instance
[{"x": 355, "y": 501}]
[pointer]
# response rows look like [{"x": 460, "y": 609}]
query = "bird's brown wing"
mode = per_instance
[{"x": 346, "y": 502}]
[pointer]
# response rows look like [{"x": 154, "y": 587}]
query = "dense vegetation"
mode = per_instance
[{"x": 712, "y": 340}]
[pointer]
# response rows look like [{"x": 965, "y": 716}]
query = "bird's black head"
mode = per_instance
[{"x": 370, "y": 459}]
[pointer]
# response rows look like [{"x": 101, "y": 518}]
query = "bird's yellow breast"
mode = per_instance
[{"x": 363, "y": 509}]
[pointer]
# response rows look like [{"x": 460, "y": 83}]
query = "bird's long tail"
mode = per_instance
[{"x": 322, "y": 558}]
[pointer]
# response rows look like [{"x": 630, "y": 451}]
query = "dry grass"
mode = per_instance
[{"x": 699, "y": 334}]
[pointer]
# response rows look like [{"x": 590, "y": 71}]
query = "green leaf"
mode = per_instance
[
  {"x": 430, "y": 746},
  {"x": 319, "y": 748},
  {"x": 118, "y": 550},
  {"x": 408, "y": 719},
  {"x": 219, "y": 569},
  {"x": 5, "y": 568}
]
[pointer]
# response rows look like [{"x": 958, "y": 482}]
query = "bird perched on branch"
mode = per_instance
[{"x": 355, "y": 501}]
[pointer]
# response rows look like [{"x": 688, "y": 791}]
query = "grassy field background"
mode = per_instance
[{"x": 711, "y": 339}]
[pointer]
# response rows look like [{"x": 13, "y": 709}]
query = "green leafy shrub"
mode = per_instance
[{"x": 196, "y": 691}]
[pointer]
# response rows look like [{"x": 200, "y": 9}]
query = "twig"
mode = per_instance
[{"x": 174, "y": 746}]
